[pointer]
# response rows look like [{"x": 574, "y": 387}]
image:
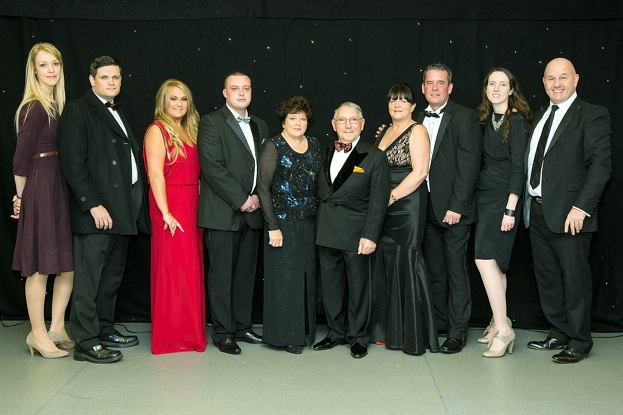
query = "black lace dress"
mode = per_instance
[
  {"x": 402, "y": 305},
  {"x": 287, "y": 191}
]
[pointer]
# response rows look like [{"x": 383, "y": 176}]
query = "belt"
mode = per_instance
[
  {"x": 46, "y": 154},
  {"x": 538, "y": 199}
]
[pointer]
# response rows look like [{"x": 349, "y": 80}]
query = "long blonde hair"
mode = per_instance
[
  {"x": 190, "y": 121},
  {"x": 33, "y": 90}
]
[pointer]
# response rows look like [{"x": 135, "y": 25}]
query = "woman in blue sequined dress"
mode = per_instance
[{"x": 288, "y": 170}]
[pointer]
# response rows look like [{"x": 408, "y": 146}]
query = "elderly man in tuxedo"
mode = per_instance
[
  {"x": 102, "y": 164},
  {"x": 568, "y": 166},
  {"x": 456, "y": 147},
  {"x": 353, "y": 190},
  {"x": 229, "y": 143}
]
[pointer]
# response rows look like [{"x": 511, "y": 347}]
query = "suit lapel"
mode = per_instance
[
  {"x": 573, "y": 109},
  {"x": 355, "y": 159},
  {"x": 256, "y": 136},
  {"x": 445, "y": 121},
  {"x": 327, "y": 165},
  {"x": 104, "y": 114}
]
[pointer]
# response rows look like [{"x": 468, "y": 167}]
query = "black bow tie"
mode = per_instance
[
  {"x": 244, "y": 119},
  {"x": 111, "y": 105},
  {"x": 433, "y": 114},
  {"x": 346, "y": 147}
]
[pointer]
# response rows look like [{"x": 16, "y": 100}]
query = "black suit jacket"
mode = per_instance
[
  {"x": 576, "y": 165},
  {"x": 227, "y": 170},
  {"x": 354, "y": 205},
  {"x": 455, "y": 163},
  {"x": 95, "y": 157}
]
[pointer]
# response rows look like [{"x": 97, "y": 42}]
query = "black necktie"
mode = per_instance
[
  {"x": 111, "y": 105},
  {"x": 535, "y": 176},
  {"x": 244, "y": 119}
]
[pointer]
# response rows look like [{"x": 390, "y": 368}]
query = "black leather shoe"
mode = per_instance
[
  {"x": 97, "y": 354},
  {"x": 549, "y": 343},
  {"x": 294, "y": 349},
  {"x": 452, "y": 345},
  {"x": 327, "y": 343},
  {"x": 119, "y": 340},
  {"x": 249, "y": 337},
  {"x": 569, "y": 355},
  {"x": 358, "y": 350},
  {"x": 228, "y": 345}
]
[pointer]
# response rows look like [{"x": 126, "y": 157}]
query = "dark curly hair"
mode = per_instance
[{"x": 294, "y": 105}]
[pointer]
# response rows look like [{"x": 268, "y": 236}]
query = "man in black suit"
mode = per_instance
[
  {"x": 102, "y": 163},
  {"x": 353, "y": 190},
  {"x": 456, "y": 146},
  {"x": 229, "y": 144},
  {"x": 568, "y": 166}
]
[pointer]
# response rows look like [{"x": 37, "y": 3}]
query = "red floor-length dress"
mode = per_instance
[{"x": 177, "y": 281}]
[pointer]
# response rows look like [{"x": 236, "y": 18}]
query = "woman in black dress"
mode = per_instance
[
  {"x": 505, "y": 116},
  {"x": 288, "y": 170},
  {"x": 43, "y": 244},
  {"x": 402, "y": 309}
]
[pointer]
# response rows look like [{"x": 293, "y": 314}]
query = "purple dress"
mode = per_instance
[{"x": 43, "y": 232}]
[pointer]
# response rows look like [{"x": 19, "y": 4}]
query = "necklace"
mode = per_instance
[{"x": 496, "y": 124}]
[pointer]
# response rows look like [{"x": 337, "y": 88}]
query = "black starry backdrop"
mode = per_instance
[{"x": 330, "y": 52}]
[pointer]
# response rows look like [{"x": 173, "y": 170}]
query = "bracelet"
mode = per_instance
[
  {"x": 18, "y": 197},
  {"x": 166, "y": 216},
  {"x": 509, "y": 212},
  {"x": 392, "y": 197}
]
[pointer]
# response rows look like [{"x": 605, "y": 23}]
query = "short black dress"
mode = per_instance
[
  {"x": 502, "y": 172},
  {"x": 287, "y": 191}
]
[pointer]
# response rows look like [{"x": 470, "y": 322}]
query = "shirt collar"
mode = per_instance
[
  {"x": 235, "y": 114},
  {"x": 564, "y": 106}
]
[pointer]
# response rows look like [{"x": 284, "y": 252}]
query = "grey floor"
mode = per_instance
[{"x": 263, "y": 380}]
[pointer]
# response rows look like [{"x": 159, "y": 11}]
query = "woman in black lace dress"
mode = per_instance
[
  {"x": 288, "y": 170},
  {"x": 402, "y": 304}
]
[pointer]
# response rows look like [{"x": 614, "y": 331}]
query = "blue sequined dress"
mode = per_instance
[{"x": 287, "y": 191}]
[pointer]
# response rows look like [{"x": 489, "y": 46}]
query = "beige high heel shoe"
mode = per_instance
[
  {"x": 60, "y": 341},
  {"x": 32, "y": 345},
  {"x": 509, "y": 343},
  {"x": 491, "y": 329}
]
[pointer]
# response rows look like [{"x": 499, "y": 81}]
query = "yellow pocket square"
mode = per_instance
[{"x": 358, "y": 169}]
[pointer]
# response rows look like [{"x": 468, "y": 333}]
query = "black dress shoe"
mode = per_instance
[
  {"x": 452, "y": 345},
  {"x": 327, "y": 343},
  {"x": 119, "y": 340},
  {"x": 294, "y": 349},
  {"x": 358, "y": 350},
  {"x": 249, "y": 337},
  {"x": 97, "y": 354},
  {"x": 228, "y": 345},
  {"x": 569, "y": 355},
  {"x": 549, "y": 343}
]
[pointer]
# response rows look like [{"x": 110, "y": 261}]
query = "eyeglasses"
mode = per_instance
[{"x": 348, "y": 120}]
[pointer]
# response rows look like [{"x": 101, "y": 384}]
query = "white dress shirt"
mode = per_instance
[
  {"x": 432, "y": 126},
  {"x": 248, "y": 134},
  {"x": 115, "y": 114},
  {"x": 536, "y": 134},
  {"x": 339, "y": 158}
]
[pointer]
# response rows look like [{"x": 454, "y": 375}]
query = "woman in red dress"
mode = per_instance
[
  {"x": 177, "y": 282},
  {"x": 43, "y": 244}
]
